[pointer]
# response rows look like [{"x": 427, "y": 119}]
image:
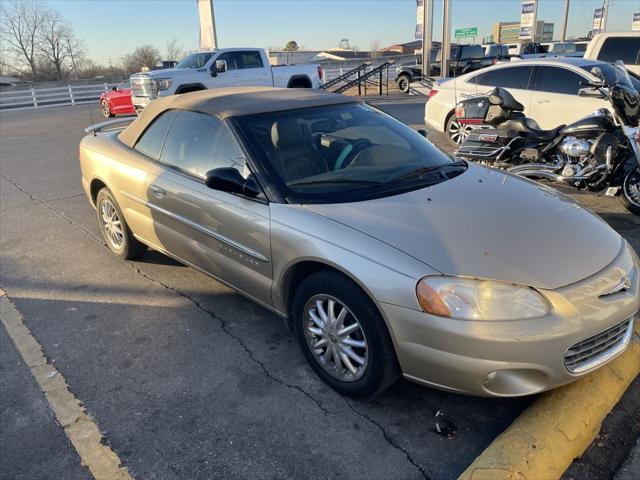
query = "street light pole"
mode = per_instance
[
  {"x": 427, "y": 36},
  {"x": 563, "y": 35},
  {"x": 446, "y": 38}
]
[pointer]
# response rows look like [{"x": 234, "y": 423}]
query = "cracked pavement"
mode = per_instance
[{"x": 185, "y": 378}]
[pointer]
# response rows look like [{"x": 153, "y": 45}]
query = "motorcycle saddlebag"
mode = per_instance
[{"x": 472, "y": 111}]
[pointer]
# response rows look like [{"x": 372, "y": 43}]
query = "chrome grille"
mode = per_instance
[
  {"x": 598, "y": 348},
  {"x": 142, "y": 87}
]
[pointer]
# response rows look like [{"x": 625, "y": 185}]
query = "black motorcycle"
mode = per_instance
[{"x": 600, "y": 152}]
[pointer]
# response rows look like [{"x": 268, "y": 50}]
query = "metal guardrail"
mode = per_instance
[{"x": 52, "y": 97}]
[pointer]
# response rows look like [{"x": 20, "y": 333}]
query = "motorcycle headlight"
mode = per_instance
[
  {"x": 471, "y": 299},
  {"x": 163, "y": 83}
]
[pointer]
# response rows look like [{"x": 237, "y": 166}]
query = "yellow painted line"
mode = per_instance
[
  {"x": 559, "y": 426},
  {"x": 79, "y": 427}
]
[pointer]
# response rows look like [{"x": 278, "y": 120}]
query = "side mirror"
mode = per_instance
[
  {"x": 115, "y": 89},
  {"x": 220, "y": 66},
  {"x": 590, "y": 92},
  {"x": 228, "y": 179}
]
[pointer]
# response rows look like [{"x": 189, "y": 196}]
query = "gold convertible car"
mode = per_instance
[{"x": 386, "y": 256}]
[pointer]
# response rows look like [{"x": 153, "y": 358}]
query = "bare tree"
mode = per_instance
[
  {"x": 57, "y": 43},
  {"x": 143, "y": 56},
  {"x": 20, "y": 24},
  {"x": 174, "y": 52},
  {"x": 374, "y": 47}
]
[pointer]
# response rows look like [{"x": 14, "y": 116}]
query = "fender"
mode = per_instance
[{"x": 189, "y": 87}]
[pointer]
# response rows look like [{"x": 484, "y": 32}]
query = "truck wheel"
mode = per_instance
[
  {"x": 104, "y": 108},
  {"x": 403, "y": 82}
]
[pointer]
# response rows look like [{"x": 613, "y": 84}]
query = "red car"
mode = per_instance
[{"x": 117, "y": 100}]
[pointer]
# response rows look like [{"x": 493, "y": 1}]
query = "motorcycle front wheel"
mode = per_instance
[{"x": 631, "y": 191}]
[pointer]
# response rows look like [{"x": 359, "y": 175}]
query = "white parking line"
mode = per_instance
[{"x": 81, "y": 430}]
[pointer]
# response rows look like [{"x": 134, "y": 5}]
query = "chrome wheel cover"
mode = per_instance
[
  {"x": 458, "y": 133},
  {"x": 105, "y": 108},
  {"x": 631, "y": 187},
  {"x": 335, "y": 337},
  {"x": 111, "y": 224}
]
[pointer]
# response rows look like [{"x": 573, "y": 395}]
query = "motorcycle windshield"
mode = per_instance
[{"x": 625, "y": 99}]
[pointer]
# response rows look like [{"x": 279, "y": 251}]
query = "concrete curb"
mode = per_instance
[{"x": 559, "y": 426}]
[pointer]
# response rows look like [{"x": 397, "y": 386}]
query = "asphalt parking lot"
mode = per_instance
[{"x": 185, "y": 378}]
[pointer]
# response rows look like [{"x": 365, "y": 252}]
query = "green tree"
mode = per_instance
[{"x": 292, "y": 46}]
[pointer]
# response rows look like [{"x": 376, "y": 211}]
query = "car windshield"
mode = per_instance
[
  {"x": 195, "y": 60},
  {"x": 345, "y": 152}
]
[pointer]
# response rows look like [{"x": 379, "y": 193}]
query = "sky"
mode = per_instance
[{"x": 112, "y": 28}]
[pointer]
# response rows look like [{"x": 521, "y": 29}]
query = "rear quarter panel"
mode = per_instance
[
  {"x": 103, "y": 158},
  {"x": 282, "y": 74}
]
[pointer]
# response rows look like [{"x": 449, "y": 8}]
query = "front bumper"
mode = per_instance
[{"x": 520, "y": 357}]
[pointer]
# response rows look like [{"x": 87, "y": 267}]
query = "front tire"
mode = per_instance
[
  {"x": 404, "y": 83},
  {"x": 343, "y": 336},
  {"x": 456, "y": 132},
  {"x": 114, "y": 228},
  {"x": 105, "y": 109},
  {"x": 630, "y": 197}
]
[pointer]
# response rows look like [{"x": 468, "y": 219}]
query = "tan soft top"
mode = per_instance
[{"x": 232, "y": 102}]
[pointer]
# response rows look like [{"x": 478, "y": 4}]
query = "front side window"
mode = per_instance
[
  {"x": 231, "y": 59},
  {"x": 557, "y": 80},
  {"x": 198, "y": 143},
  {"x": 124, "y": 85},
  {"x": 151, "y": 141},
  {"x": 343, "y": 153},
  {"x": 507, "y": 77}
]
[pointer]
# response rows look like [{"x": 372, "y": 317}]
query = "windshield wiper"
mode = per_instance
[
  {"x": 321, "y": 182},
  {"x": 424, "y": 170}
]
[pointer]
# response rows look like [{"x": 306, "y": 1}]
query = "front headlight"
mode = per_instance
[
  {"x": 163, "y": 83},
  {"x": 470, "y": 299}
]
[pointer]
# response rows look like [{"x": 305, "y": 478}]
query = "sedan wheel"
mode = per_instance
[
  {"x": 343, "y": 336},
  {"x": 456, "y": 132},
  {"x": 335, "y": 338},
  {"x": 104, "y": 108}
]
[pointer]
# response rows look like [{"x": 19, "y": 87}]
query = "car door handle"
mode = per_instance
[
  {"x": 157, "y": 191},
  {"x": 543, "y": 101}
]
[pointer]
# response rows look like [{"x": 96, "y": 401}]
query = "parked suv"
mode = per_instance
[{"x": 221, "y": 68}]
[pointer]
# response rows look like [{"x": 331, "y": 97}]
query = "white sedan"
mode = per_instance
[{"x": 547, "y": 87}]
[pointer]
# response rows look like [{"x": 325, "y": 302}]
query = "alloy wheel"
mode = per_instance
[
  {"x": 335, "y": 337},
  {"x": 111, "y": 224},
  {"x": 457, "y": 132},
  {"x": 105, "y": 109}
]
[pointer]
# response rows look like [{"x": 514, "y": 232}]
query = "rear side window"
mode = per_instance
[
  {"x": 198, "y": 143},
  {"x": 249, "y": 59},
  {"x": 508, "y": 77},
  {"x": 151, "y": 141},
  {"x": 626, "y": 49},
  {"x": 557, "y": 80}
]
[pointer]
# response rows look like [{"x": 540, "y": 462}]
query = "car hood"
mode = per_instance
[
  {"x": 169, "y": 72},
  {"x": 488, "y": 224}
]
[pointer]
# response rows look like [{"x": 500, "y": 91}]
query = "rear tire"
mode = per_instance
[
  {"x": 105, "y": 109},
  {"x": 456, "y": 133},
  {"x": 630, "y": 196},
  {"x": 362, "y": 363},
  {"x": 114, "y": 228},
  {"x": 404, "y": 82}
]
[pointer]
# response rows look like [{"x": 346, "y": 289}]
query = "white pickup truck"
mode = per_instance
[{"x": 221, "y": 68}]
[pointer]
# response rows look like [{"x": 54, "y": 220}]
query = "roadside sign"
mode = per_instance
[
  {"x": 467, "y": 32},
  {"x": 635, "y": 25}
]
